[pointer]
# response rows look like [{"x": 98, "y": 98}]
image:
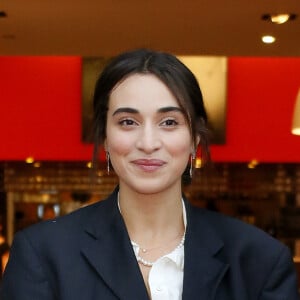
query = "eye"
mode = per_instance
[
  {"x": 127, "y": 122},
  {"x": 169, "y": 123}
]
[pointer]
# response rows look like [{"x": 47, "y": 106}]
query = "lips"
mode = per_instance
[{"x": 149, "y": 165}]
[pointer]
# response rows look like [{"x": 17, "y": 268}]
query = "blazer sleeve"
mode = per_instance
[
  {"x": 281, "y": 283},
  {"x": 24, "y": 277}
]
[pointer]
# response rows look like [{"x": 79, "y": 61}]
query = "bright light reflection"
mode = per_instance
[
  {"x": 296, "y": 131},
  {"x": 198, "y": 163},
  {"x": 29, "y": 160},
  {"x": 268, "y": 39},
  {"x": 37, "y": 164},
  {"x": 252, "y": 164}
]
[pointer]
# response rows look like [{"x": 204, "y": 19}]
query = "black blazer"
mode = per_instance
[{"x": 87, "y": 255}]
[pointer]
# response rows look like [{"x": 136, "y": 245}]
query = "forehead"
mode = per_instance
[{"x": 142, "y": 90}]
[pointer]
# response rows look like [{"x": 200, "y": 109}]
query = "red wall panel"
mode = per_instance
[
  {"x": 261, "y": 96},
  {"x": 40, "y": 109}
]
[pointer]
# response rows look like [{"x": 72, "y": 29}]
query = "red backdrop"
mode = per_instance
[{"x": 40, "y": 112}]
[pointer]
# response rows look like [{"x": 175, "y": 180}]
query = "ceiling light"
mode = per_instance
[
  {"x": 296, "y": 116},
  {"x": 268, "y": 39},
  {"x": 279, "y": 18}
]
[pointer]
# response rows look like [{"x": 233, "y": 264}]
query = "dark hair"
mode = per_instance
[{"x": 171, "y": 71}]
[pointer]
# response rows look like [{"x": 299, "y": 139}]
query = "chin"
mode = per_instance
[{"x": 150, "y": 186}]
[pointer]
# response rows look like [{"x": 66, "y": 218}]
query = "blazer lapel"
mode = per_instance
[
  {"x": 203, "y": 271},
  {"x": 110, "y": 253}
]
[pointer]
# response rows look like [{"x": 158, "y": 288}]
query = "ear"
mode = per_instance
[
  {"x": 105, "y": 145},
  {"x": 195, "y": 144}
]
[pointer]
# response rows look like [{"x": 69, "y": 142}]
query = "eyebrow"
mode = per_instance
[
  {"x": 135, "y": 111},
  {"x": 125, "y": 110}
]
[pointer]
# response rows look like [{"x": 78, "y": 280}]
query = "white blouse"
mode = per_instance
[{"x": 166, "y": 274}]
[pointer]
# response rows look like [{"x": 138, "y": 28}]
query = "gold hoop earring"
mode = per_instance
[{"x": 107, "y": 162}]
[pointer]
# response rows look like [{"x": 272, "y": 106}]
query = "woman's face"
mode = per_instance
[{"x": 147, "y": 135}]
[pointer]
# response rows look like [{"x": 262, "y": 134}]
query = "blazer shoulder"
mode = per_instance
[
  {"x": 73, "y": 222},
  {"x": 236, "y": 233}
]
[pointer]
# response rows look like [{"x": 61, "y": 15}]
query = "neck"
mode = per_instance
[{"x": 152, "y": 217}]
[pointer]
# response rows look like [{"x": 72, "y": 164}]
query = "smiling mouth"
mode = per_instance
[{"x": 149, "y": 165}]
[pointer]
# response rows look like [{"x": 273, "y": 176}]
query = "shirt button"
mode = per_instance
[{"x": 159, "y": 289}]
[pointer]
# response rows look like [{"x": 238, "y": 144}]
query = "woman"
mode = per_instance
[{"x": 146, "y": 241}]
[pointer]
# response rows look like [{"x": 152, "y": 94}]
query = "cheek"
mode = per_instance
[
  {"x": 180, "y": 145},
  {"x": 118, "y": 143}
]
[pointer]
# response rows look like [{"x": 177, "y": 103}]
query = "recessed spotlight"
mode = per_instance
[
  {"x": 3, "y": 14},
  {"x": 278, "y": 18},
  {"x": 268, "y": 39}
]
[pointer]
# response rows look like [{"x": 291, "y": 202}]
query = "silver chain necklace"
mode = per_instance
[{"x": 148, "y": 263}]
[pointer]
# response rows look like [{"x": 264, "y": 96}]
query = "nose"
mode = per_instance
[{"x": 148, "y": 140}]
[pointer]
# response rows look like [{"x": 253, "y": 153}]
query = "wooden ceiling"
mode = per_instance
[{"x": 106, "y": 27}]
